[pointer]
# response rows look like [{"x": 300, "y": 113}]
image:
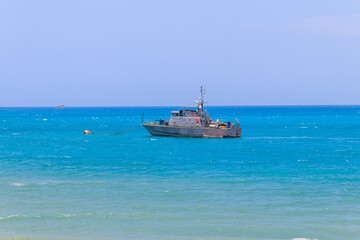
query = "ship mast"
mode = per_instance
[{"x": 201, "y": 102}]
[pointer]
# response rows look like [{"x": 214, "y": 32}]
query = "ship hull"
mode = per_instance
[{"x": 197, "y": 132}]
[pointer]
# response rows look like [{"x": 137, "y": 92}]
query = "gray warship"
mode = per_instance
[{"x": 191, "y": 122}]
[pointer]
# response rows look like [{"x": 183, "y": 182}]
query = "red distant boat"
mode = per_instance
[{"x": 61, "y": 106}]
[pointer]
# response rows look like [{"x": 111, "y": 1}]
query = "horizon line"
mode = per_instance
[{"x": 139, "y": 106}]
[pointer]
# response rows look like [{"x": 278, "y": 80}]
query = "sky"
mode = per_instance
[{"x": 158, "y": 53}]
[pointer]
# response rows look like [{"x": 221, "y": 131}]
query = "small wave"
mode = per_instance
[
  {"x": 304, "y": 239},
  {"x": 233, "y": 181},
  {"x": 10, "y": 216},
  {"x": 15, "y": 133},
  {"x": 68, "y": 183},
  {"x": 17, "y": 184},
  {"x": 74, "y": 215},
  {"x": 64, "y": 215},
  {"x": 54, "y": 183},
  {"x": 153, "y": 139},
  {"x": 52, "y": 156},
  {"x": 20, "y": 238},
  {"x": 44, "y": 119},
  {"x": 140, "y": 163},
  {"x": 345, "y": 138},
  {"x": 293, "y": 137},
  {"x": 302, "y": 160}
]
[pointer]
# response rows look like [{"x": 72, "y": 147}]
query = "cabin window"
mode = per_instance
[{"x": 178, "y": 114}]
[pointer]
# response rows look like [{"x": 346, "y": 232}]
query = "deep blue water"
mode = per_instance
[{"x": 295, "y": 173}]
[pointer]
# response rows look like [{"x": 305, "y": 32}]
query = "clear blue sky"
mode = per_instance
[{"x": 126, "y": 53}]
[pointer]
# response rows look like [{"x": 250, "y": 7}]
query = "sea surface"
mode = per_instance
[{"x": 294, "y": 174}]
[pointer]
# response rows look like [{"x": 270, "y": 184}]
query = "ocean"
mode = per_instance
[{"x": 294, "y": 174}]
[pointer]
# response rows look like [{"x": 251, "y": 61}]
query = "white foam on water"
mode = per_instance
[
  {"x": 44, "y": 119},
  {"x": 10, "y": 216},
  {"x": 293, "y": 137},
  {"x": 153, "y": 139},
  {"x": 346, "y": 138},
  {"x": 57, "y": 215},
  {"x": 19, "y": 238},
  {"x": 74, "y": 215},
  {"x": 302, "y": 160},
  {"x": 17, "y": 184},
  {"x": 15, "y": 133},
  {"x": 59, "y": 183},
  {"x": 304, "y": 239},
  {"x": 68, "y": 215}
]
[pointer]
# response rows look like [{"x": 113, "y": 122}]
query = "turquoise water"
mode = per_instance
[{"x": 295, "y": 173}]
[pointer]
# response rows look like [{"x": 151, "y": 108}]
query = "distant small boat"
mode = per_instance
[{"x": 61, "y": 106}]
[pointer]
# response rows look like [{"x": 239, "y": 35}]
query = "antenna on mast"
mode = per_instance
[
  {"x": 202, "y": 91},
  {"x": 201, "y": 101}
]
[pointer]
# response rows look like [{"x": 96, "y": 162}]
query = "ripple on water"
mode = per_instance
[
  {"x": 60, "y": 215},
  {"x": 56, "y": 183}
]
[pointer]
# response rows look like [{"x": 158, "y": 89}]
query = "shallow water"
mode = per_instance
[{"x": 295, "y": 173}]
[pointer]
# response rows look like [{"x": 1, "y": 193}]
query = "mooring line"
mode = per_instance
[{"x": 114, "y": 133}]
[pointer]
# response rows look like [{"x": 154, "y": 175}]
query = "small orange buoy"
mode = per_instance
[{"x": 87, "y": 132}]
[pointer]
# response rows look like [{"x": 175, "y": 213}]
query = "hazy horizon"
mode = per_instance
[{"x": 179, "y": 106}]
